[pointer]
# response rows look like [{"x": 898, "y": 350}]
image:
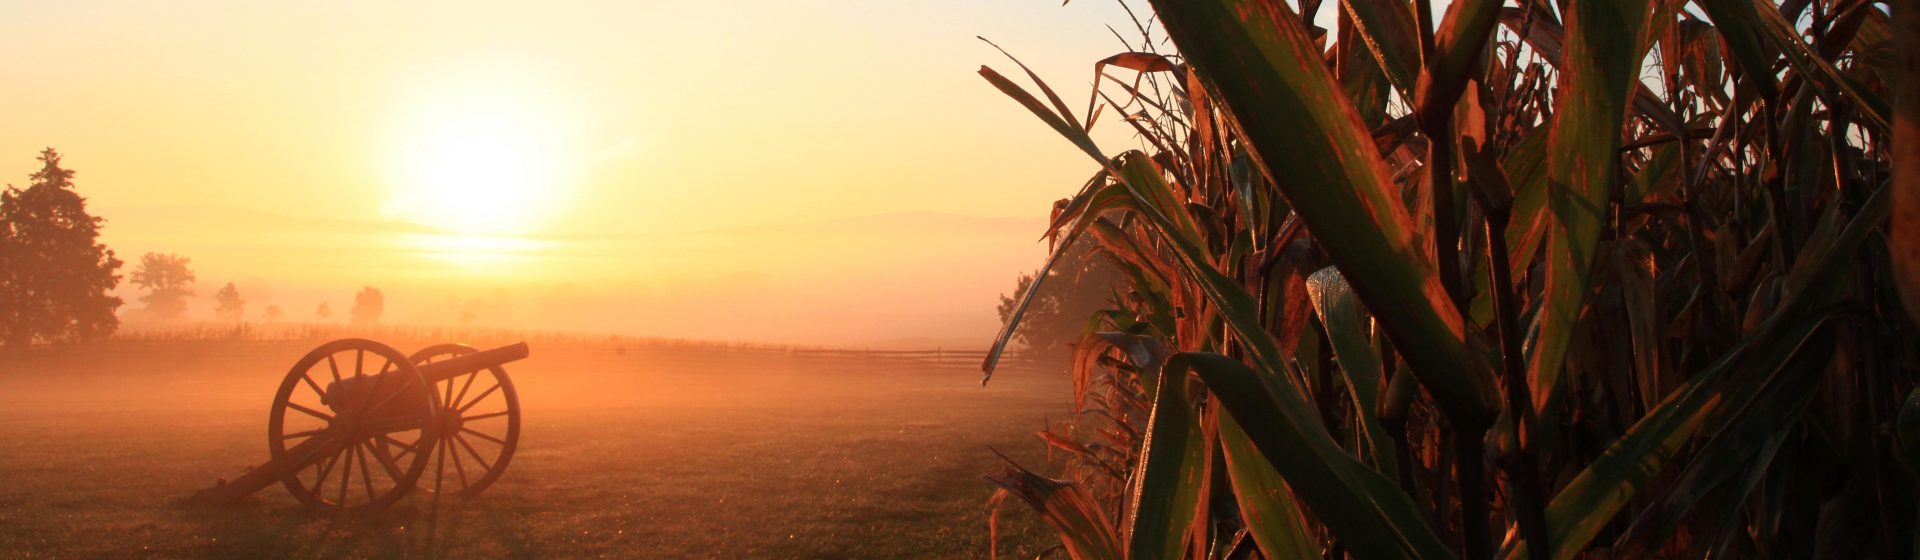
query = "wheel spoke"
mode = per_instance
[
  {"x": 320, "y": 480},
  {"x": 439, "y": 468},
  {"x": 317, "y": 450},
  {"x": 307, "y": 433},
  {"x": 309, "y": 411},
  {"x": 366, "y": 475},
  {"x": 367, "y": 397},
  {"x": 483, "y": 436},
  {"x": 396, "y": 443},
  {"x": 476, "y": 454},
  {"x": 457, "y": 467},
  {"x": 386, "y": 461},
  {"x": 476, "y": 400},
  {"x": 316, "y": 386},
  {"x": 485, "y": 416},
  {"x": 457, "y": 399},
  {"x": 334, "y": 367},
  {"x": 346, "y": 477}
]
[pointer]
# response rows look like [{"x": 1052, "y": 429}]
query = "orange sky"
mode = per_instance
[{"x": 797, "y": 172}]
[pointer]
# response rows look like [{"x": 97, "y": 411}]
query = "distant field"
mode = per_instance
[{"x": 654, "y": 452}]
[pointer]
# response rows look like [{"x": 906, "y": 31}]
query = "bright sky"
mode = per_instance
[{"x": 828, "y": 172}]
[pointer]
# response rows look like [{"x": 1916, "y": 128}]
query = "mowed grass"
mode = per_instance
[{"x": 655, "y": 453}]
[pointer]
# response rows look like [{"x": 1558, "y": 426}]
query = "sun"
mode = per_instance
[{"x": 485, "y": 165}]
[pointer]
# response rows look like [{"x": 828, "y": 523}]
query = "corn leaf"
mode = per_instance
[
  {"x": 1258, "y": 60},
  {"x": 1346, "y": 326},
  {"x": 1387, "y": 27},
  {"x": 1171, "y": 477},
  {"x": 1599, "y": 70},
  {"x": 1363, "y": 509},
  {"x": 1266, "y": 504}
]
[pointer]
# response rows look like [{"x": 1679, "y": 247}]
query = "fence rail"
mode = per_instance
[{"x": 937, "y": 357}]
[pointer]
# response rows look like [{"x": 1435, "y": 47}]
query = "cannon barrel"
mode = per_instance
[
  {"x": 451, "y": 367},
  {"x": 353, "y": 391}
]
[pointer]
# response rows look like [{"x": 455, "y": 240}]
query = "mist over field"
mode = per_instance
[
  {"x": 900, "y": 280},
  {"x": 626, "y": 448}
]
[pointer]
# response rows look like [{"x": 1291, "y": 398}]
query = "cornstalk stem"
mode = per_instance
[{"x": 1524, "y": 470}]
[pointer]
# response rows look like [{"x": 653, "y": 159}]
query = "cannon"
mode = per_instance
[{"x": 356, "y": 425}]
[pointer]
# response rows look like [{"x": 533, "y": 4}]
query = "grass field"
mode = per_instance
[{"x": 650, "y": 452}]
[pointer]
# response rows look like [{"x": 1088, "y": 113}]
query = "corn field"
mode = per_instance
[{"x": 1518, "y": 279}]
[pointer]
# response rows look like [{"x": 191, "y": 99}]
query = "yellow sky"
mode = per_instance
[{"x": 742, "y": 170}]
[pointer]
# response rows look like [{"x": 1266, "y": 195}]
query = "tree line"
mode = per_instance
[
  {"x": 168, "y": 280},
  {"x": 57, "y": 278}
]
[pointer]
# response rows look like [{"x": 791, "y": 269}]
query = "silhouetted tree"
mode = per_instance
[
  {"x": 1080, "y": 284},
  {"x": 274, "y": 314},
  {"x": 55, "y": 275},
  {"x": 324, "y": 312},
  {"x": 227, "y": 304},
  {"x": 168, "y": 282},
  {"x": 368, "y": 305}
]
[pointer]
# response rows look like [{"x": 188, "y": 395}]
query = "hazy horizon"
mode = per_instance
[
  {"x": 593, "y": 167},
  {"x": 519, "y": 282}
]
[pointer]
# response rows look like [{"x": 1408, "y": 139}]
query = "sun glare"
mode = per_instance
[{"x": 478, "y": 166}]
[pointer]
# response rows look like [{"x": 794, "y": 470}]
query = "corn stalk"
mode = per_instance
[{"x": 1534, "y": 281}]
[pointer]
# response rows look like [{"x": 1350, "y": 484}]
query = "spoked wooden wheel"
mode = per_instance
[
  {"x": 479, "y": 425},
  {"x": 350, "y": 422}
]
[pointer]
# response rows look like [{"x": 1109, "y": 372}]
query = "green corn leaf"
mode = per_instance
[
  {"x": 1598, "y": 73},
  {"x": 1740, "y": 452},
  {"x": 1387, "y": 27},
  {"x": 1741, "y": 30},
  {"x": 1360, "y": 74},
  {"x": 1364, "y": 510},
  {"x": 1171, "y": 475},
  {"x": 1258, "y": 60},
  {"x": 1609, "y": 484},
  {"x": 1346, "y": 324},
  {"x": 1600, "y": 491},
  {"x": 1526, "y": 168},
  {"x": 1778, "y": 32},
  {"x": 1266, "y": 504},
  {"x": 1354, "y": 501}
]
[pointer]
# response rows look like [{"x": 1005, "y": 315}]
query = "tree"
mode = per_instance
[
  {"x": 167, "y": 281},
  {"x": 55, "y": 275},
  {"x": 324, "y": 312},
  {"x": 227, "y": 304},
  {"x": 274, "y": 313},
  {"x": 1079, "y": 285},
  {"x": 368, "y": 305}
]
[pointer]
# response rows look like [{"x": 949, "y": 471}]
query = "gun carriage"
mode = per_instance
[{"x": 356, "y": 425}]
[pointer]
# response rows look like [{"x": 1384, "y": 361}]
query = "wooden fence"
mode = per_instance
[{"x": 937, "y": 357}]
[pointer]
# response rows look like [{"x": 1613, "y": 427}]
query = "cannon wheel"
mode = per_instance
[
  {"x": 385, "y": 458},
  {"x": 480, "y": 417}
]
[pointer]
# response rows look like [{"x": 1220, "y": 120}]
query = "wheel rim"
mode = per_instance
[
  {"x": 350, "y": 420},
  {"x": 480, "y": 425}
]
